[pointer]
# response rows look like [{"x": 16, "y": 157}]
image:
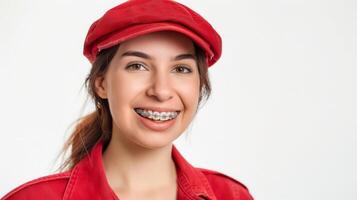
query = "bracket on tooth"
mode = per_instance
[{"x": 154, "y": 115}]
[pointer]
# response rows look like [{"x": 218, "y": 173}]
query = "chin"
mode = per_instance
[{"x": 155, "y": 141}]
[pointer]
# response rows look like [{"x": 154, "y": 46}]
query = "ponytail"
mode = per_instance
[
  {"x": 85, "y": 135},
  {"x": 95, "y": 126}
]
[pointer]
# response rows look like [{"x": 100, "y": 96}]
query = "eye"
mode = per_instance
[
  {"x": 182, "y": 69},
  {"x": 135, "y": 67}
]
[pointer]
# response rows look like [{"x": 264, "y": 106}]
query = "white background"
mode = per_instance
[{"x": 282, "y": 118}]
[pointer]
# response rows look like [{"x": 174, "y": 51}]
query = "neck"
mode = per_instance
[{"x": 131, "y": 168}]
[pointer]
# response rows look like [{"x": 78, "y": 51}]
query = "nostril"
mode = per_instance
[
  {"x": 160, "y": 90},
  {"x": 160, "y": 95}
]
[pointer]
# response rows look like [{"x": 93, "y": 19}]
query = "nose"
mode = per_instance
[{"x": 160, "y": 88}]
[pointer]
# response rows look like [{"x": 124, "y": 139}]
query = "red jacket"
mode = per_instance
[{"x": 87, "y": 181}]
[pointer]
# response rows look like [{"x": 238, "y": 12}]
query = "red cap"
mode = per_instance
[{"x": 139, "y": 17}]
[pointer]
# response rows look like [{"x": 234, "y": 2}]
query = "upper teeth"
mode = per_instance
[{"x": 156, "y": 115}]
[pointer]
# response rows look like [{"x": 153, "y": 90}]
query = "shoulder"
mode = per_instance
[
  {"x": 222, "y": 183},
  {"x": 46, "y": 187}
]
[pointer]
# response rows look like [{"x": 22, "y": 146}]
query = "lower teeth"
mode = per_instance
[{"x": 158, "y": 120}]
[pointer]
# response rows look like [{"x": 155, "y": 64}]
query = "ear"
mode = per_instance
[{"x": 101, "y": 87}]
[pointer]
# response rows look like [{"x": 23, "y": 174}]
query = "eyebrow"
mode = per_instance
[{"x": 146, "y": 56}]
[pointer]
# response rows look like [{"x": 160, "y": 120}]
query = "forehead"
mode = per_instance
[{"x": 158, "y": 42}]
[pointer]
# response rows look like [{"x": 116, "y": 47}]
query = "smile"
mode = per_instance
[{"x": 155, "y": 115}]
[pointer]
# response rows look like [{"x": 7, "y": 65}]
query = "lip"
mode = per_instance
[{"x": 157, "y": 126}]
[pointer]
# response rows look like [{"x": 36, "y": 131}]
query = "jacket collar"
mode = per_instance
[
  {"x": 88, "y": 179},
  {"x": 190, "y": 179}
]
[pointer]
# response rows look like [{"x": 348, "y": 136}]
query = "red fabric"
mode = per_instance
[
  {"x": 87, "y": 180},
  {"x": 138, "y": 17}
]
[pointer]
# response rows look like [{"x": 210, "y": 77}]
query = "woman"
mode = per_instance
[{"x": 149, "y": 74}]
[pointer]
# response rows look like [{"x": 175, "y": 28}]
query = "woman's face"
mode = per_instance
[{"x": 152, "y": 73}]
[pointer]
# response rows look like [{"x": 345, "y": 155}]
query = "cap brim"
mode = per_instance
[{"x": 142, "y": 29}]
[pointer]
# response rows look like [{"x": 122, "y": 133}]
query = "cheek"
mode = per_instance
[
  {"x": 124, "y": 87},
  {"x": 189, "y": 92},
  {"x": 122, "y": 90}
]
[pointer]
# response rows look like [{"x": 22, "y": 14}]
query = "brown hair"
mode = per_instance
[{"x": 98, "y": 124}]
